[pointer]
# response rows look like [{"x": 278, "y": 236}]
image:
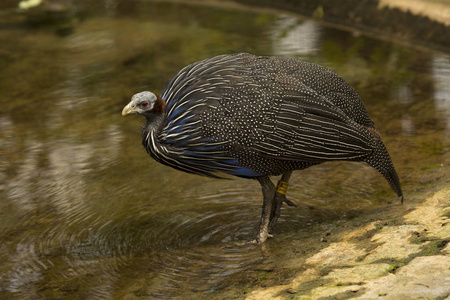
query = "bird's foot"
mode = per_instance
[
  {"x": 261, "y": 238},
  {"x": 276, "y": 208}
]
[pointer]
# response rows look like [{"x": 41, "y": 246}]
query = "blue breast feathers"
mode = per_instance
[{"x": 188, "y": 149}]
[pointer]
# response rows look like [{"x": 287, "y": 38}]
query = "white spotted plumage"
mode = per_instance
[{"x": 251, "y": 116}]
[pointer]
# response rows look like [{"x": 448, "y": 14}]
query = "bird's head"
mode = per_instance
[{"x": 144, "y": 103}]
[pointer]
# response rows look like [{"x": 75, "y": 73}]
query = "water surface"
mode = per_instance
[{"x": 85, "y": 213}]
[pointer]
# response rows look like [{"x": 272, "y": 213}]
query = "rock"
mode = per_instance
[
  {"x": 446, "y": 250},
  {"x": 362, "y": 231},
  {"x": 267, "y": 293},
  {"x": 426, "y": 277},
  {"x": 332, "y": 292},
  {"x": 358, "y": 274},
  {"x": 432, "y": 214},
  {"x": 337, "y": 254},
  {"x": 395, "y": 243},
  {"x": 305, "y": 276}
]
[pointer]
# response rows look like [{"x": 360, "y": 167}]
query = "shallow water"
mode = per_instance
[{"x": 85, "y": 213}]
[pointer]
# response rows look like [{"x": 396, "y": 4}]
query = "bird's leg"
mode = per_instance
[
  {"x": 279, "y": 198},
  {"x": 268, "y": 190}
]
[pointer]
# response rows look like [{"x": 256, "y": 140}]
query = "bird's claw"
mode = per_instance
[{"x": 288, "y": 202}]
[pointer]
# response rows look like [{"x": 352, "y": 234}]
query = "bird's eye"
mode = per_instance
[{"x": 144, "y": 104}]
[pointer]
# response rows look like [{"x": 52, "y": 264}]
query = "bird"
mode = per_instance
[{"x": 256, "y": 117}]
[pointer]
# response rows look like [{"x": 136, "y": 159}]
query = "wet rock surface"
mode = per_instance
[{"x": 407, "y": 259}]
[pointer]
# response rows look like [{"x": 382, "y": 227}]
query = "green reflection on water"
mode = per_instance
[{"x": 85, "y": 212}]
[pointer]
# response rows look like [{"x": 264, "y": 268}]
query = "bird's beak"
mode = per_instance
[{"x": 129, "y": 109}]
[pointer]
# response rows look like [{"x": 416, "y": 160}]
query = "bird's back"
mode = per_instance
[{"x": 266, "y": 72}]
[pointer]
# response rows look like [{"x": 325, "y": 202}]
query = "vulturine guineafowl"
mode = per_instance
[{"x": 256, "y": 116}]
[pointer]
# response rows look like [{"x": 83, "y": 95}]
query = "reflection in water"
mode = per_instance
[
  {"x": 405, "y": 97},
  {"x": 85, "y": 213},
  {"x": 405, "y": 94},
  {"x": 19, "y": 189},
  {"x": 441, "y": 74},
  {"x": 292, "y": 37},
  {"x": 408, "y": 127}
]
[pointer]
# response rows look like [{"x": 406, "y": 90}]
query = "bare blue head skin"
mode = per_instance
[{"x": 144, "y": 103}]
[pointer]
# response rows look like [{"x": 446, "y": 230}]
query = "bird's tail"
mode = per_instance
[{"x": 380, "y": 160}]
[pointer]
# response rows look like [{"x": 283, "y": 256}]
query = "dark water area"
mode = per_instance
[{"x": 85, "y": 213}]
